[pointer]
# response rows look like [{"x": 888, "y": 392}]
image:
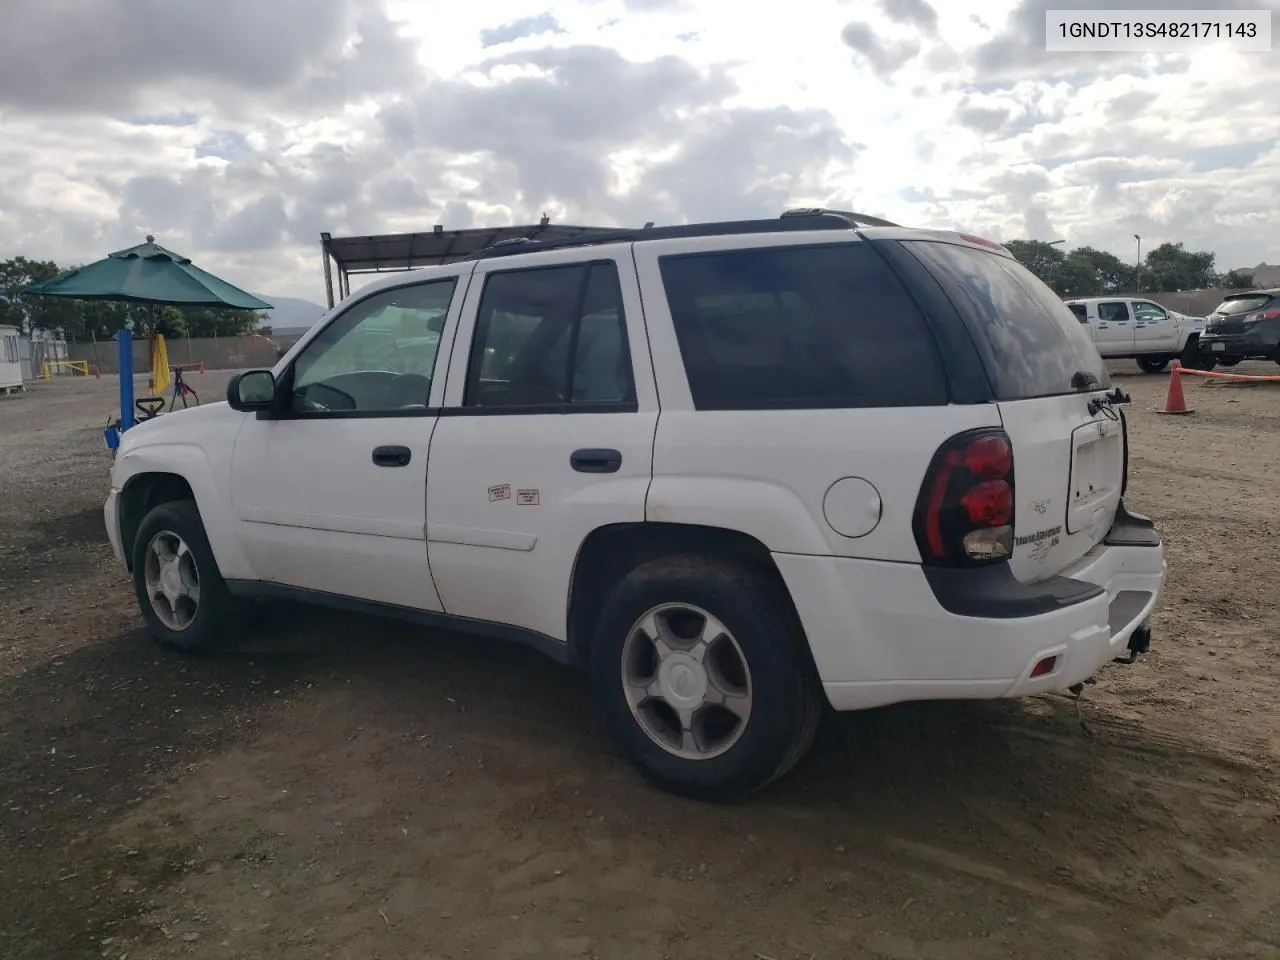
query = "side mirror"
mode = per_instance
[{"x": 252, "y": 390}]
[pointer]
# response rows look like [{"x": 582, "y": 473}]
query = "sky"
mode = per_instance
[{"x": 237, "y": 131}]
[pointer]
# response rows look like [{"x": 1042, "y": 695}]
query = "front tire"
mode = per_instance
[
  {"x": 704, "y": 678},
  {"x": 1153, "y": 364},
  {"x": 181, "y": 594}
]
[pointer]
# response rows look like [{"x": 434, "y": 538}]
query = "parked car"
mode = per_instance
[
  {"x": 1130, "y": 327},
  {"x": 1245, "y": 326},
  {"x": 739, "y": 471}
]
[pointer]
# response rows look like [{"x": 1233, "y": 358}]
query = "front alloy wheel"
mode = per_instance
[{"x": 172, "y": 580}]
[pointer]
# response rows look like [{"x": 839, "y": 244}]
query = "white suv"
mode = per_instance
[{"x": 737, "y": 470}]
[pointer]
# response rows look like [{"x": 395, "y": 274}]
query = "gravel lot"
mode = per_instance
[{"x": 339, "y": 787}]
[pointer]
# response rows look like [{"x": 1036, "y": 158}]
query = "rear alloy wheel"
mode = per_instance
[
  {"x": 686, "y": 681},
  {"x": 1153, "y": 364},
  {"x": 704, "y": 676}
]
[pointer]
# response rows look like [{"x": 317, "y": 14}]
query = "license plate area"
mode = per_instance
[
  {"x": 1219, "y": 347},
  {"x": 1097, "y": 469}
]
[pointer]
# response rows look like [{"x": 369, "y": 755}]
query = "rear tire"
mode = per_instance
[
  {"x": 719, "y": 733},
  {"x": 1153, "y": 364},
  {"x": 181, "y": 594}
]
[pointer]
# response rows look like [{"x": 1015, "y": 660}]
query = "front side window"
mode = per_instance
[
  {"x": 380, "y": 355},
  {"x": 551, "y": 338},
  {"x": 1148, "y": 312},
  {"x": 800, "y": 328}
]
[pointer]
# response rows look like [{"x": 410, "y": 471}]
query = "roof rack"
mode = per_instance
[{"x": 807, "y": 218}]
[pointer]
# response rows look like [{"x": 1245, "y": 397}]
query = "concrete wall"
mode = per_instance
[{"x": 217, "y": 353}]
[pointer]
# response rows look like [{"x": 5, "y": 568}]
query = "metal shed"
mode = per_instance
[
  {"x": 390, "y": 252},
  {"x": 10, "y": 359}
]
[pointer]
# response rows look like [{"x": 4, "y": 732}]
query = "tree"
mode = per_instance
[
  {"x": 219, "y": 322},
  {"x": 1043, "y": 259},
  {"x": 1087, "y": 272},
  {"x": 29, "y": 312},
  {"x": 1170, "y": 268},
  {"x": 1236, "y": 280}
]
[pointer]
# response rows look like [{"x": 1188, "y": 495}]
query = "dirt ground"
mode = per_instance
[{"x": 346, "y": 788}]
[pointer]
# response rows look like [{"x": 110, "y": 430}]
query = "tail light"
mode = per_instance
[
  {"x": 964, "y": 514},
  {"x": 1262, "y": 315}
]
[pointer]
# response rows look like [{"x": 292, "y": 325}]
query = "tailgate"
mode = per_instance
[{"x": 1068, "y": 473}]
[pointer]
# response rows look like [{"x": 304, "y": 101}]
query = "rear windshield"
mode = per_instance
[
  {"x": 1236, "y": 305},
  {"x": 1031, "y": 344}
]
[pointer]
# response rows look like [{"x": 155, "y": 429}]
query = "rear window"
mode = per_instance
[
  {"x": 1237, "y": 305},
  {"x": 1081, "y": 312},
  {"x": 1031, "y": 344},
  {"x": 800, "y": 328}
]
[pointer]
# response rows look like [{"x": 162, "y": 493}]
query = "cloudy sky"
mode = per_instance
[{"x": 238, "y": 130}]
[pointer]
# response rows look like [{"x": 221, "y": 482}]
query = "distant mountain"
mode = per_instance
[{"x": 289, "y": 315}]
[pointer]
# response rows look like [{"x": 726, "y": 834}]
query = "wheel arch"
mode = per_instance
[
  {"x": 610, "y": 552},
  {"x": 157, "y": 474},
  {"x": 141, "y": 494}
]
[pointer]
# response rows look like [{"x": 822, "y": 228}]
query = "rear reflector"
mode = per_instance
[{"x": 1044, "y": 667}]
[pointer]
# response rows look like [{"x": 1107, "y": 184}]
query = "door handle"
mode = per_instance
[
  {"x": 596, "y": 460},
  {"x": 392, "y": 456}
]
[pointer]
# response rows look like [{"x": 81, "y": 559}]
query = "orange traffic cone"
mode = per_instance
[{"x": 1175, "y": 402}]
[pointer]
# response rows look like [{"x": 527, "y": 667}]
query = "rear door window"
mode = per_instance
[
  {"x": 1115, "y": 312},
  {"x": 1031, "y": 344},
  {"x": 1080, "y": 310},
  {"x": 800, "y": 328}
]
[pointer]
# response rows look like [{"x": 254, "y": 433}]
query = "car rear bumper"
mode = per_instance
[
  {"x": 111, "y": 516},
  {"x": 880, "y": 633},
  {"x": 1261, "y": 341}
]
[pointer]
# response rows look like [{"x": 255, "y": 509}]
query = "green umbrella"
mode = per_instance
[{"x": 147, "y": 273}]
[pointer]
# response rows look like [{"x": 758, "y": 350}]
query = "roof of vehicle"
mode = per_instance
[
  {"x": 792, "y": 221},
  {"x": 799, "y": 220},
  {"x": 1269, "y": 292},
  {"x": 1114, "y": 299}
]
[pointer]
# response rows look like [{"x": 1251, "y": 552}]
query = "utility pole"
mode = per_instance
[{"x": 1139, "y": 239}]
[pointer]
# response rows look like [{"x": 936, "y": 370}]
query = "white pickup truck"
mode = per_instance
[
  {"x": 1130, "y": 327},
  {"x": 742, "y": 472}
]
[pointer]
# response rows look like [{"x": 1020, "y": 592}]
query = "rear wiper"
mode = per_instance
[{"x": 1083, "y": 380}]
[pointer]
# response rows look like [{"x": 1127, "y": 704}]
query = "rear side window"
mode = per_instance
[
  {"x": 551, "y": 338},
  {"x": 1030, "y": 343},
  {"x": 1080, "y": 310},
  {"x": 800, "y": 328},
  {"x": 1238, "y": 305}
]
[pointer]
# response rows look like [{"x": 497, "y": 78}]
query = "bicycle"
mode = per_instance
[
  {"x": 149, "y": 407},
  {"x": 181, "y": 391}
]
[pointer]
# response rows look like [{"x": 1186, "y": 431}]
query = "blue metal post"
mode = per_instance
[{"x": 124, "y": 339}]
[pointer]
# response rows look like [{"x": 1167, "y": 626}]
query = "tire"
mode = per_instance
[
  {"x": 785, "y": 696},
  {"x": 192, "y": 627},
  {"x": 1195, "y": 359},
  {"x": 1152, "y": 364}
]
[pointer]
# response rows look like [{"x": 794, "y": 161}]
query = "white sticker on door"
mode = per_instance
[
  {"x": 527, "y": 497},
  {"x": 502, "y": 491}
]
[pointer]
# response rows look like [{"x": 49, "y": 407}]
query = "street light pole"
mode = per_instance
[{"x": 1139, "y": 239}]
